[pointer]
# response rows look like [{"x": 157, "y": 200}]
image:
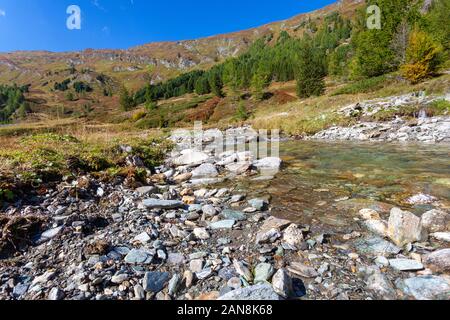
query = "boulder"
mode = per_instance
[
  {"x": 190, "y": 157},
  {"x": 293, "y": 235},
  {"x": 436, "y": 220},
  {"x": 425, "y": 287},
  {"x": 282, "y": 284},
  {"x": 438, "y": 261},
  {"x": 405, "y": 227}
]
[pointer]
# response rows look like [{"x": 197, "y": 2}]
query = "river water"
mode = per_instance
[{"x": 326, "y": 184}]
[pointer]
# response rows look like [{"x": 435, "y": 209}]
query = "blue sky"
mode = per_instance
[{"x": 41, "y": 24}]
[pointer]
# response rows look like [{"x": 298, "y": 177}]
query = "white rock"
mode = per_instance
[
  {"x": 201, "y": 233},
  {"x": 405, "y": 227}
]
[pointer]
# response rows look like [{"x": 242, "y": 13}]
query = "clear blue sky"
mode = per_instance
[{"x": 41, "y": 24}]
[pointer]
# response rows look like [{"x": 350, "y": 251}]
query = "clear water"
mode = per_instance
[{"x": 328, "y": 183}]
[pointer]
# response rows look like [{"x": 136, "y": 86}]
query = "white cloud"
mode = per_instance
[{"x": 2, "y": 13}]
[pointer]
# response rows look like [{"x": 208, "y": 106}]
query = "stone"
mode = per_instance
[
  {"x": 263, "y": 272},
  {"x": 258, "y": 204},
  {"x": 378, "y": 283},
  {"x": 223, "y": 224},
  {"x": 272, "y": 163},
  {"x": 233, "y": 215},
  {"x": 189, "y": 200},
  {"x": 369, "y": 214},
  {"x": 188, "y": 277},
  {"x": 282, "y": 284},
  {"x": 252, "y": 293},
  {"x": 242, "y": 270},
  {"x": 20, "y": 289},
  {"x": 234, "y": 283},
  {"x": 436, "y": 220},
  {"x": 206, "y": 170},
  {"x": 175, "y": 258},
  {"x": 143, "y": 191},
  {"x": 378, "y": 227},
  {"x": 270, "y": 228},
  {"x": 182, "y": 178},
  {"x": 421, "y": 199},
  {"x": 302, "y": 270},
  {"x": 162, "y": 204},
  {"x": 237, "y": 198},
  {"x": 56, "y": 294},
  {"x": 196, "y": 265},
  {"x": 139, "y": 256},
  {"x": 190, "y": 157},
  {"x": 155, "y": 281},
  {"x": 293, "y": 235},
  {"x": 201, "y": 233},
  {"x": 382, "y": 261},
  {"x": 44, "y": 278},
  {"x": 425, "y": 287},
  {"x": 238, "y": 167},
  {"x": 404, "y": 227},
  {"x": 376, "y": 246},
  {"x": 438, "y": 261},
  {"x": 174, "y": 284},
  {"x": 142, "y": 238},
  {"x": 441, "y": 236},
  {"x": 269, "y": 236},
  {"x": 209, "y": 210},
  {"x": 48, "y": 235},
  {"x": 119, "y": 278},
  {"x": 405, "y": 265},
  {"x": 204, "y": 274},
  {"x": 139, "y": 292}
]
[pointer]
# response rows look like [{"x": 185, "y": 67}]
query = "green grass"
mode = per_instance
[{"x": 362, "y": 86}]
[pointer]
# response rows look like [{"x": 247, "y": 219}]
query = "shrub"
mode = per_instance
[
  {"x": 362, "y": 86},
  {"x": 422, "y": 56}
]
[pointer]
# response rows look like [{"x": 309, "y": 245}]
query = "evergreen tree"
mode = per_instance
[
  {"x": 126, "y": 100},
  {"x": 311, "y": 72}
]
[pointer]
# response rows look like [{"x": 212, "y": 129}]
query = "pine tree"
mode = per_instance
[
  {"x": 311, "y": 72},
  {"x": 126, "y": 101}
]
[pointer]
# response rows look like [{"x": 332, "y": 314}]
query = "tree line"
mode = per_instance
[{"x": 409, "y": 41}]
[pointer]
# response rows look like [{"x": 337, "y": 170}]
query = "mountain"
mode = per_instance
[{"x": 42, "y": 69}]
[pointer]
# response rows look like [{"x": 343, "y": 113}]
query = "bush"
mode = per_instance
[
  {"x": 422, "y": 56},
  {"x": 362, "y": 86},
  {"x": 138, "y": 116}
]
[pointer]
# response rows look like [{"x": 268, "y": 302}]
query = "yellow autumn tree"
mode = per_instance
[{"x": 422, "y": 57}]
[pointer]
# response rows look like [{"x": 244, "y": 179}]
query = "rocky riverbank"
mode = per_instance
[
  {"x": 419, "y": 126},
  {"x": 180, "y": 237}
]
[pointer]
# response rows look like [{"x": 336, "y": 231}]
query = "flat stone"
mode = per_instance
[
  {"x": 302, "y": 270},
  {"x": 376, "y": 246},
  {"x": 405, "y": 264},
  {"x": 182, "y": 177},
  {"x": 48, "y": 235},
  {"x": 190, "y": 157},
  {"x": 162, "y": 204},
  {"x": 138, "y": 256},
  {"x": 404, "y": 227},
  {"x": 175, "y": 258},
  {"x": 255, "y": 293},
  {"x": 204, "y": 274},
  {"x": 155, "y": 281},
  {"x": 209, "y": 210},
  {"x": 270, "y": 228},
  {"x": 206, "y": 170},
  {"x": 438, "y": 261},
  {"x": 174, "y": 284},
  {"x": 238, "y": 167},
  {"x": 142, "y": 238},
  {"x": 196, "y": 265},
  {"x": 263, "y": 272},
  {"x": 268, "y": 236},
  {"x": 56, "y": 294},
  {"x": 258, "y": 204},
  {"x": 201, "y": 233},
  {"x": 441, "y": 236},
  {"x": 233, "y": 215},
  {"x": 143, "y": 191},
  {"x": 119, "y": 278},
  {"x": 425, "y": 287},
  {"x": 223, "y": 224}
]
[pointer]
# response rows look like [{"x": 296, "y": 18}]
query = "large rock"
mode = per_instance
[
  {"x": 426, "y": 287},
  {"x": 436, "y": 221},
  {"x": 270, "y": 163},
  {"x": 256, "y": 293},
  {"x": 405, "y": 265},
  {"x": 271, "y": 228},
  {"x": 162, "y": 204},
  {"x": 293, "y": 235},
  {"x": 139, "y": 256},
  {"x": 233, "y": 215},
  {"x": 302, "y": 270},
  {"x": 376, "y": 246},
  {"x": 377, "y": 282},
  {"x": 155, "y": 281},
  {"x": 405, "y": 227},
  {"x": 438, "y": 261},
  {"x": 190, "y": 157},
  {"x": 263, "y": 272},
  {"x": 206, "y": 170},
  {"x": 378, "y": 227},
  {"x": 282, "y": 284}
]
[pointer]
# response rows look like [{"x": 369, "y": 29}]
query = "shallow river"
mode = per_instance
[{"x": 326, "y": 184}]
